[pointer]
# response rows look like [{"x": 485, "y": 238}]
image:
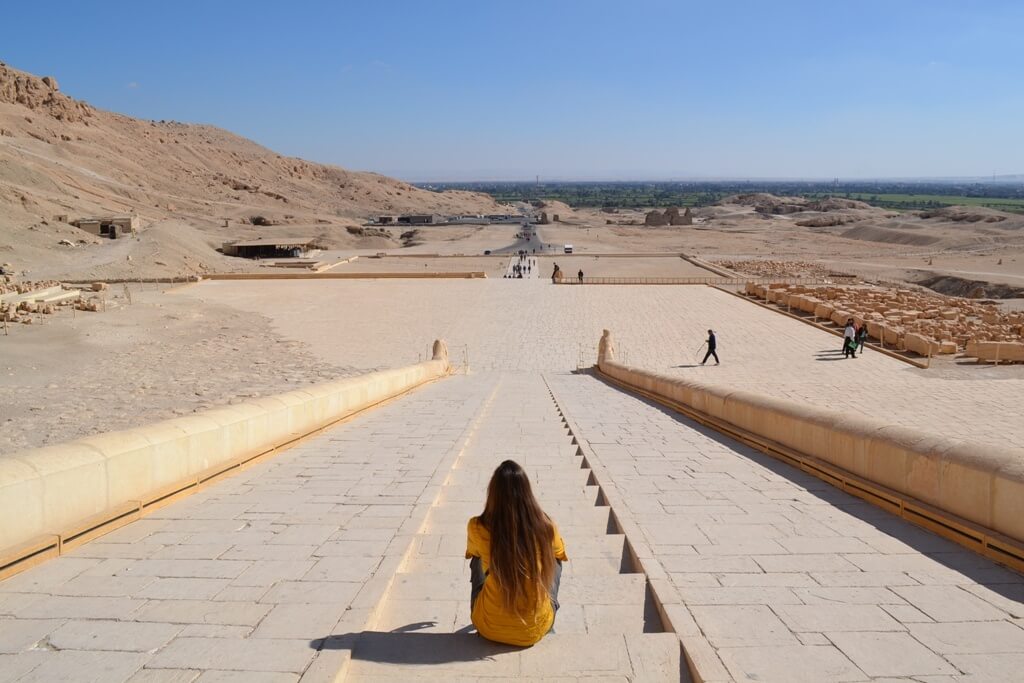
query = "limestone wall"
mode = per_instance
[
  {"x": 996, "y": 351},
  {"x": 983, "y": 485},
  {"x": 53, "y": 490}
]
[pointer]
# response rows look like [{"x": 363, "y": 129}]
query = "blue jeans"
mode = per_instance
[{"x": 477, "y": 576}]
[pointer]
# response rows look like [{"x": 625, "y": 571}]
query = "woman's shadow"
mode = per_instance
[{"x": 406, "y": 645}]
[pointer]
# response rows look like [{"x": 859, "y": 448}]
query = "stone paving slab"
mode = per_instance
[
  {"x": 777, "y": 576},
  {"x": 243, "y": 581},
  {"x": 422, "y": 629},
  {"x": 533, "y": 326}
]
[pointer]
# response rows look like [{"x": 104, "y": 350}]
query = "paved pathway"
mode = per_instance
[
  {"x": 272, "y": 575},
  {"x": 244, "y": 580},
  {"x": 535, "y": 326},
  {"x": 766, "y": 573},
  {"x": 423, "y": 628},
  {"x": 529, "y": 262},
  {"x": 773, "y": 575}
]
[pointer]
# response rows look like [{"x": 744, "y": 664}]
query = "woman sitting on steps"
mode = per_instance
[{"x": 516, "y": 556}]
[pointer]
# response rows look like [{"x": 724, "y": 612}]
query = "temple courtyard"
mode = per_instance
[{"x": 341, "y": 558}]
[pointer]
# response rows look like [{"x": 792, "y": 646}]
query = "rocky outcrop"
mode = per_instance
[
  {"x": 825, "y": 220},
  {"x": 965, "y": 214},
  {"x": 41, "y": 95},
  {"x": 836, "y": 204}
]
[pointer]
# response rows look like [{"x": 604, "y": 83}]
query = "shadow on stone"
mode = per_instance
[{"x": 405, "y": 646}]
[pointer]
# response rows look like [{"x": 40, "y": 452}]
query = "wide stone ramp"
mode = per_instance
[
  {"x": 769, "y": 574},
  {"x": 246, "y": 579},
  {"x": 605, "y": 630}
]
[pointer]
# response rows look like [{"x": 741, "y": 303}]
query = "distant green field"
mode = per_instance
[
  {"x": 889, "y": 195},
  {"x": 925, "y": 201}
]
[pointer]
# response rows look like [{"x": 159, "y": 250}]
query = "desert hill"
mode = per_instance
[
  {"x": 61, "y": 156},
  {"x": 947, "y": 228}
]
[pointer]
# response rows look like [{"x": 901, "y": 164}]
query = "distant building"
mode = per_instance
[
  {"x": 419, "y": 219},
  {"x": 270, "y": 247},
  {"x": 410, "y": 219},
  {"x": 109, "y": 226}
]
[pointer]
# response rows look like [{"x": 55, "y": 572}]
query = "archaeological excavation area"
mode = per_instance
[{"x": 788, "y": 515}]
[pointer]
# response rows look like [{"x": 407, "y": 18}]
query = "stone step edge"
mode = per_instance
[{"x": 702, "y": 661}]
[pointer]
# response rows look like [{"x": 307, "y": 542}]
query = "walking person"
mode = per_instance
[
  {"x": 712, "y": 346},
  {"x": 516, "y": 556},
  {"x": 850, "y": 340},
  {"x": 862, "y": 336},
  {"x": 579, "y": 276}
]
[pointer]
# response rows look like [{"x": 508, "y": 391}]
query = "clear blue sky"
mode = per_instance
[{"x": 438, "y": 89}]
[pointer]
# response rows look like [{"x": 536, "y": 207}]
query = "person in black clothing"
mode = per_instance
[
  {"x": 712, "y": 345},
  {"x": 580, "y": 275}
]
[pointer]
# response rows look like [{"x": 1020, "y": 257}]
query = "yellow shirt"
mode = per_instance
[{"x": 492, "y": 620}]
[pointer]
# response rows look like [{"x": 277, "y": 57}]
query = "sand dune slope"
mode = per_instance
[{"x": 62, "y": 156}]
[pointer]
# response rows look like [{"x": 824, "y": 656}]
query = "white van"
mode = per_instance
[{"x": 568, "y": 249}]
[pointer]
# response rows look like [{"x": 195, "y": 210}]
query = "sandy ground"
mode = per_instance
[{"x": 160, "y": 357}]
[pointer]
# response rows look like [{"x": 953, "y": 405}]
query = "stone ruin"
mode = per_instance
[
  {"x": 655, "y": 218},
  {"x": 776, "y": 268},
  {"x": 23, "y": 302},
  {"x": 907, "y": 320},
  {"x": 671, "y": 216}
]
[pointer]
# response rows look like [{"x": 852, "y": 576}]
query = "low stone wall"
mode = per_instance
[
  {"x": 981, "y": 484},
  {"x": 54, "y": 491},
  {"x": 996, "y": 351},
  {"x": 412, "y": 275}
]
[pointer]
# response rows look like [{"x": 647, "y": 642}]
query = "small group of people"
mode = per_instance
[
  {"x": 854, "y": 337},
  {"x": 522, "y": 268},
  {"x": 518, "y": 270}
]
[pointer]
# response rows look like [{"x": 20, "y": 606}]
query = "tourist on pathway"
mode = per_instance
[
  {"x": 516, "y": 555},
  {"x": 580, "y": 275},
  {"x": 862, "y": 336},
  {"x": 712, "y": 345},
  {"x": 850, "y": 340}
]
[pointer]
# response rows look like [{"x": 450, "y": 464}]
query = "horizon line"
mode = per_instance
[{"x": 1006, "y": 178}]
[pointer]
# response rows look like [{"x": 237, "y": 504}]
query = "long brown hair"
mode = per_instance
[{"x": 522, "y": 557}]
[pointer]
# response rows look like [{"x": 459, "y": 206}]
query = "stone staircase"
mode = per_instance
[{"x": 606, "y": 628}]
